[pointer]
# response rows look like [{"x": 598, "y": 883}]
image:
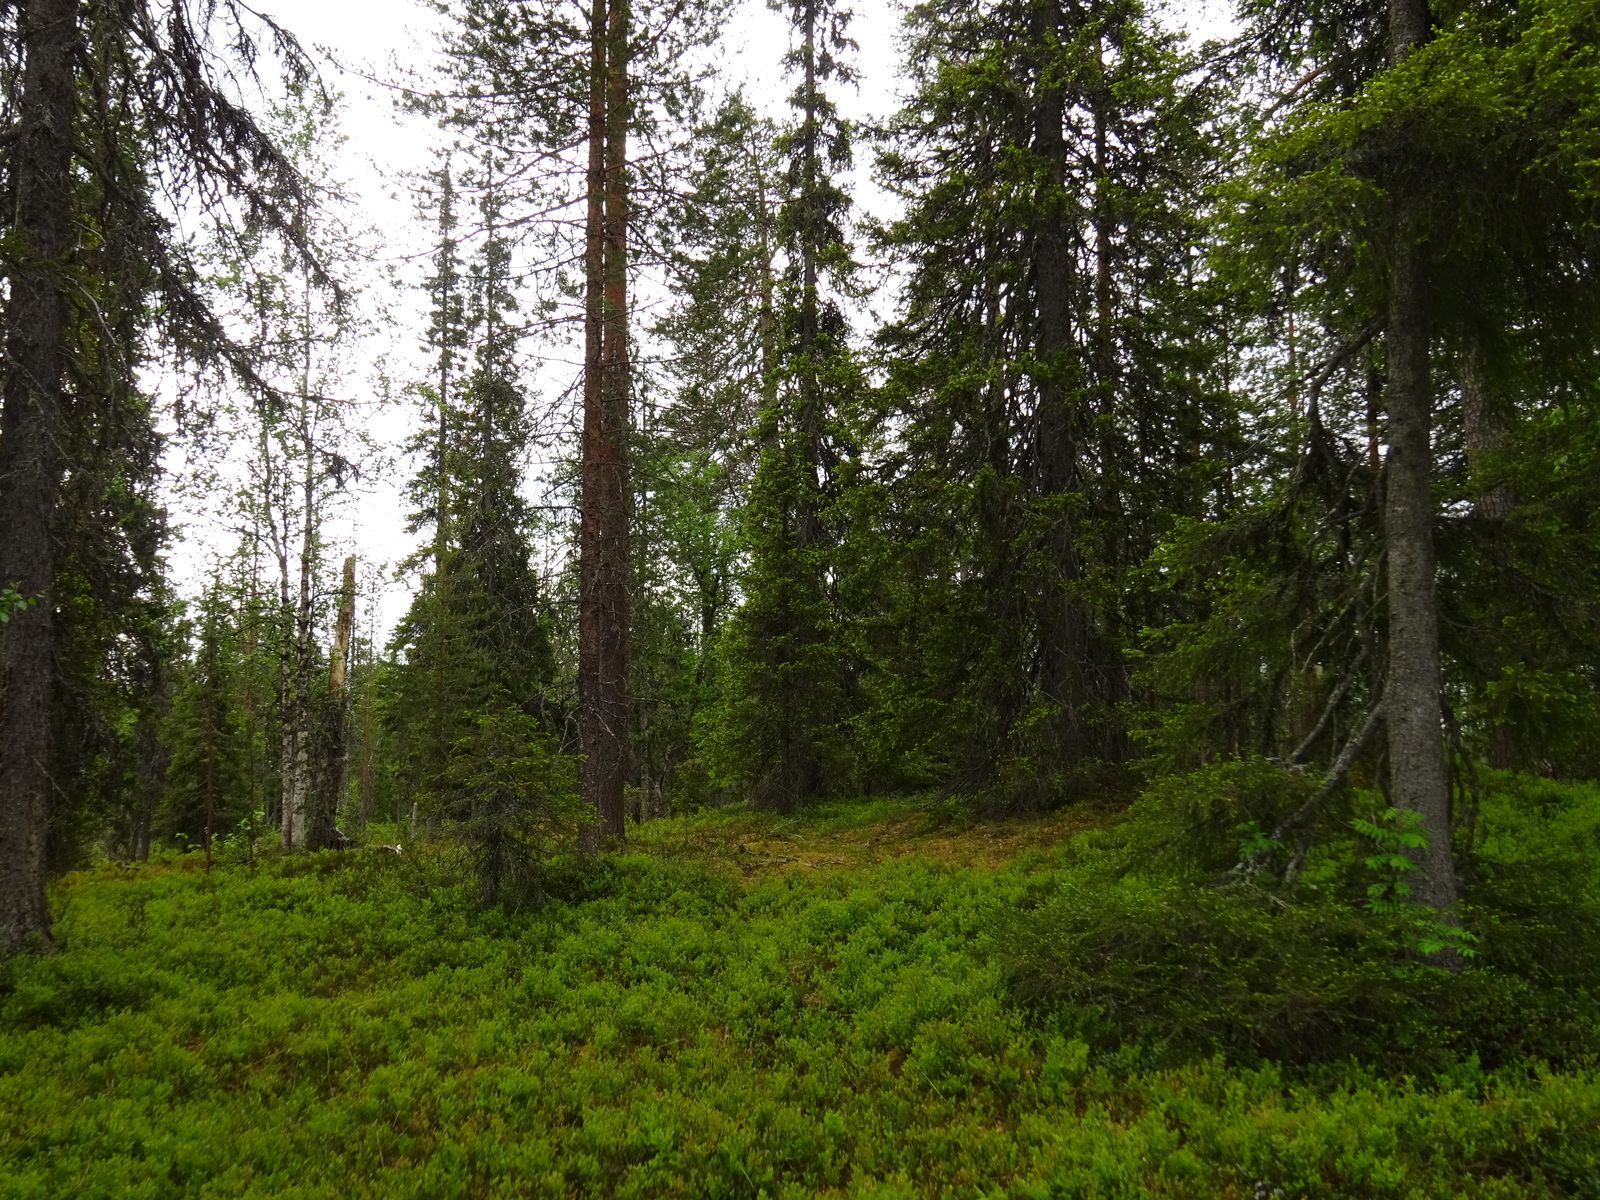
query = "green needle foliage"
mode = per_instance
[
  {"x": 1054, "y": 371},
  {"x": 1192, "y": 553},
  {"x": 524, "y": 805},
  {"x": 778, "y": 733}
]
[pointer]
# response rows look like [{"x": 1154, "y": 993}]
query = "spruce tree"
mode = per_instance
[
  {"x": 205, "y": 777},
  {"x": 116, "y": 105},
  {"x": 695, "y": 447},
  {"x": 779, "y": 730},
  {"x": 572, "y": 90},
  {"x": 1424, "y": 196},
  {"x": 474, "y": 643},
  {"x": 1052, "y": 374}
]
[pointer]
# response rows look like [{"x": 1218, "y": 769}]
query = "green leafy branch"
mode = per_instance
[
  {"x": 1254, "y": 842},
  {"x": 13, "y": 601},
  {"x": 1394, "y": 832}
]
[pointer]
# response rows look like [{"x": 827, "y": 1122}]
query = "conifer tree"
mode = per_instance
[
  {"x": 302, "y": 451},
  {"x": 474, "y": 642},
  {"x": 428, "y": 712},
  {"x": 1050, "y": 371},
  {"x": 573, "y": 89},
  {"x": 205, "y": 777},
  {"x": 778, "y": 731},
  {"x": 693, "y": 456},
  {"x": 125, "y": 100},
  {"x": 1459, "y": 219}
]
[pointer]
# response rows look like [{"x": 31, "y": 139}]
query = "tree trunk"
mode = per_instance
[
  {"x": 298, "y": 802},
  {"x": 809, "y": 417},
  {"x": 1063, "y": 634},
  {"x": 30, "y": 456},
  {"x": 1417, "y": 776},
  {"x": 154, "y": 758},
  {"x": 295, "y": 768},
  {"x": 603, "y": 525},
  {"x": 334, "y": 749},
  {"x": 1482, "y": 433},
  {"x": 441, "y": 749}
]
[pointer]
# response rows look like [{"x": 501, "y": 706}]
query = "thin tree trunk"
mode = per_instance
[
  {"x": 767, "y": 321},
  {"x": 618, "y": 383},
  {"x": 441, "y": 527},
  {"x": 273, "y": 508},
  {"x": 591, "y": 731},
  {"x": 297, "y": 782},
  {"x": 153, "y": 760},
  {"x": 1418, "y": 780},
  {"x": 213, "y": 750},
  {"x": 1107, "y": 684},
  {"x": 31, "y": 456},
  {"x": 809, "y": 417},
  {"x": 334, "y": 750},
  {"x": 1483, "y": 430}
]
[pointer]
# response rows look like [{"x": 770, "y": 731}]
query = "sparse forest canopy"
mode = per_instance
[{"x": 1152, "y": 486}]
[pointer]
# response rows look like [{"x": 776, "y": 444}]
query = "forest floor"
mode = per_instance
[
  {"x": 736, "y": 1005},
  {"x": 863, "y": 834}
]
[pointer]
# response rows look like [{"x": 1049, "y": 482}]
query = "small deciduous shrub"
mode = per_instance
[
  {"x": 1146, "y": 951},
  {"x": 1185, "y": 972},
  {"x": 671, "y": 1025}
]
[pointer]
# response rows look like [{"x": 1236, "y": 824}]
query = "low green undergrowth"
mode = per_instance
[
  {"x": 1154, "y": 947},
  {"x": 674, "y": 1022}
]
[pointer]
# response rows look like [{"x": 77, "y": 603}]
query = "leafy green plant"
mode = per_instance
[
  {"x": 13, "y": 601},
  {"x": 671, "y": 1024},
  {"x": 1254, "y": 841},
  {"x": 1394, "y": 832}
]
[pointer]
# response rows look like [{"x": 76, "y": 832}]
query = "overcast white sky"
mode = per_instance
[{"x": 369, "y": 37}]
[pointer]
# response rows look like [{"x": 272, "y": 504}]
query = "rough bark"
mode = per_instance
[
  {"x": 31, "y": 456},
  {"x": 603, "y": 523},
  {"x": 1063, "y": 631},
  {"x": 1417, "y": 775},
  {"x": 1483, "y": 432}
]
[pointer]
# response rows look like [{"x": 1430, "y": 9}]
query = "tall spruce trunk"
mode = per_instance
[
  {"x": 1417, "y": 776},
  {"x": 439, "y": 752},
  {"x": 1483, "y": 433},
  {"x": 809, "y": 417},
  {"x": 799, "y": 768},
  {"x": 603, "y": 522},
  {"x": 1062, "y": 627},
  {"x": 1103, "y": 659},
  {"x": 150, "y": 780},
  {"x": 31, "y": 462}
]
